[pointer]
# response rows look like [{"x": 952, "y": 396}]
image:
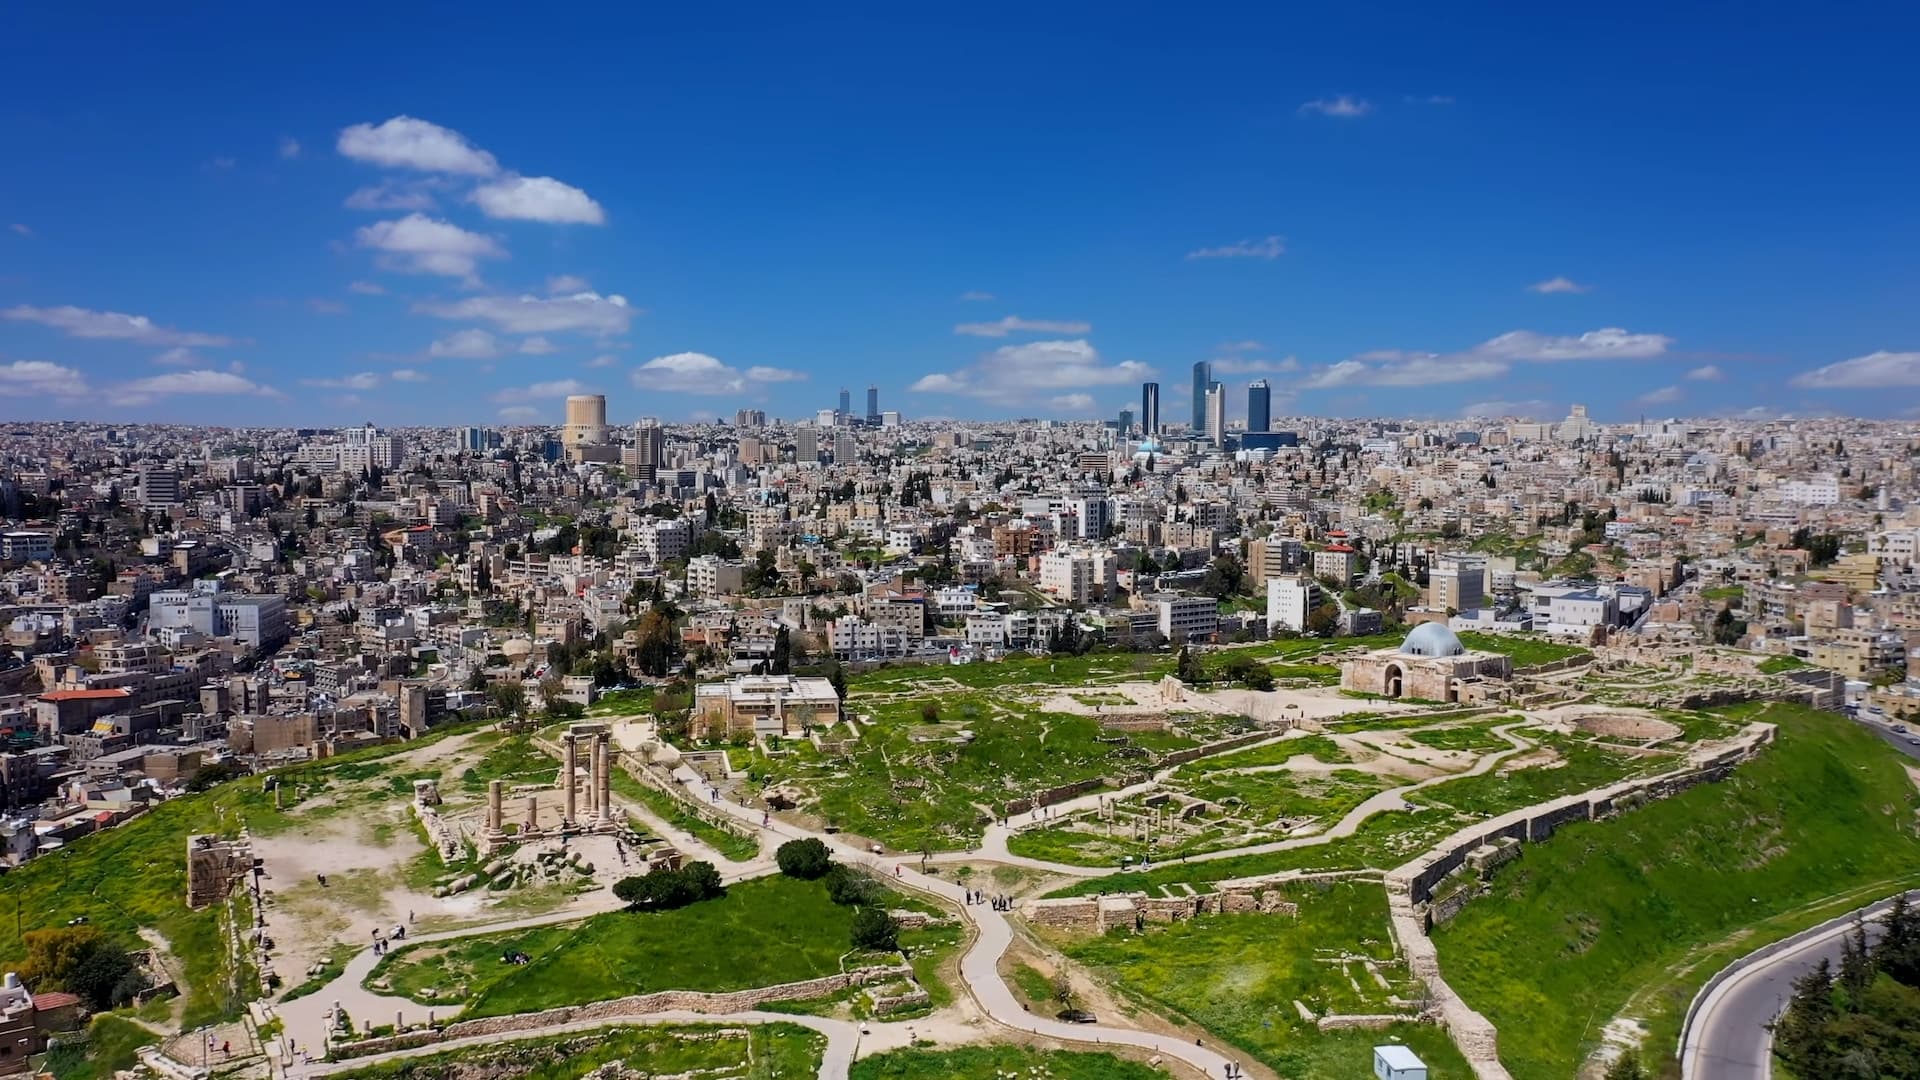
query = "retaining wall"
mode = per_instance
[
  {"x": 1181, "y": 757},
  {"x": 619, "y": 1008}
]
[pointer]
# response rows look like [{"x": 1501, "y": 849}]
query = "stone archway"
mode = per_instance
[{"x": 1393, "y": 681}]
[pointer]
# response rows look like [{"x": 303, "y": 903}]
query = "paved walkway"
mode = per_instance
[{"x": 306, "y": 1018}]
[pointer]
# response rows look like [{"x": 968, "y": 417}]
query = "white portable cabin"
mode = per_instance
[{"x": 1394, "y": 1062}]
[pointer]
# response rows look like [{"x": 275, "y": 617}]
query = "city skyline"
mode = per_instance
[{"x": 448, "y": 249}]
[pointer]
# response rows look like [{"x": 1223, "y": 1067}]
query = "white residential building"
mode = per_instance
[
  {"x": 1067, "y": 576},
  {"x": 711, "y": 575},
  {"x": 1289, "y": 598},
  {"x": 1187, "y": 618}
]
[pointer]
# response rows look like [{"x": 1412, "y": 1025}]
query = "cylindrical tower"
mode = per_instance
[{"x": 586, "y": 420}]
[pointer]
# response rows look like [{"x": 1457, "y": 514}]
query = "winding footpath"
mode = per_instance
[{"x": 306, "y": 1020}]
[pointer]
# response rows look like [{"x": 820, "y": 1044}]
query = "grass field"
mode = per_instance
[
  {"x": 762, "y": 932},
  {"x": 998, "y": 1063},
  {"x": 1575, "y": 926},
  {"x": 1478, "y": 738},
  {"x": 678, "y": 814},
  {"x": 1584, "y": 767},
  {"x": 1776, "y": 665},
  {"x": 110, "y": 1046},
  {"x": 1239, "y": 975},
  {"x": 134, "y": 875},
  {"x": 769, "y": 1050},
  {"x": 1524, "y": 651},
  {"x": 1317, "y": 747}
]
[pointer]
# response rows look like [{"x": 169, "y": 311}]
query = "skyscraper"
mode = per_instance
[
  {"x": 1126, "y": 422},
  {"x": 1216, "y": 410},
  {"x": 1202, "y": 378},
  {"x": 806, "y": 445},
  {"x": 1259, "y": 406},
  {"x": 1149, "y": 409},
  {"x": 846, "y": 403},
  {"x": 873, "y": 405}
]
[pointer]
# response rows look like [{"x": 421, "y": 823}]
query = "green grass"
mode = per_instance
[
  {"x": 1032, "y": 985},
  {"x": 514, "y": 759},
  {"x": 1720, "y": 594},
  {"x": 1524, "y": 651},
  {"x": 1775, "y": 665},
  {"x": 767, "y": 1050},
  {"x": 1317, "y": 747},
  {"x": 998, "y": 1063},
  {"x": 622, "y": 702},
  {"x": 762, "y": 932},
  {"x": 1239, "y": 975},
  {"x": 678, "y": 814},
  {"x": 110, "y": 1046},
  {"x": 332, "y": 967},
  {"x": 1475, "y": 737},
  {"x": 1586, "y": 767},
  {"x": 134, "y": 875},
  {"x": 1578, "y": 924}
]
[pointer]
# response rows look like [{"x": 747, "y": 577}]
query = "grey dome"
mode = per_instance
[{"x": 1432, "y": 639}]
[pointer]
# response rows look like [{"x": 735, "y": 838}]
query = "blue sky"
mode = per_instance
[{"x": 373, "y": 213}]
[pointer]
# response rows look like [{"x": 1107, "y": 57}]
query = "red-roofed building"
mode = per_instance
[{"x": 64, "y": 712}]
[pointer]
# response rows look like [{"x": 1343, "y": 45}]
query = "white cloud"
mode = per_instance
[
  {"x": 586, "y": 312},
  {"x": 1558, "y": 285},
  {"x": 21, "y": 229},
  {"x": 1608, "y": 343},
  {"x": 604, "y": 360},
  {"x": 178, "y": 357},
  {"x": 1528, "y": 409},
  {"x": 538, "y": 346},
  {"x": 567, "y": 283},
  {"x": 111, "y": 326},
  {"x": 1708, "y": 373},
  {"x": 971, "y": 296},
  {"x": 1229, "y": 365},
  {"x": 41, "y": 378},
  {"x": 465, "y": 345},
  {"x": 1270, "y": 247},
  {"x": 541, "y": 391},
  {"x": 323, "y": 306},
  {"x": 391, "y": 195},
  {"x": 1665, "y": 395},
  {"x": 1248, "y": 345},
  {"x": 420, "y": 244},
  {"x": 1015, "y": 375},
  {"x": 202, "y": 381},
  {"x": 1872, "y": 371},
  {"x": 1012, "y": 323},
  {"x": 1394, "y": 367},
  {"x": 1071, "y": 403},
  {"x": 365, "y": 380},
  {"x": 519, "y": 412},
  {"x": 1343, "y": 105},
  {"x": 538, "y": 198},
  {"x": 1402, "y": 369},
  {"x": 289, "y": 147},
  {"x": 406, "y": 143},
  {"x": 367, "y": 288},
  {"x": 409, "y": 375},
  {"x": 698, "y": 373},
  {"x": 762, "y": 373}
]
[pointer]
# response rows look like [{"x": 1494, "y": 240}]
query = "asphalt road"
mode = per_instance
[{"x": 1729, "y": 1039}]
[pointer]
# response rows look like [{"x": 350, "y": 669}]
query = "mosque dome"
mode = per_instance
[{"x": 1432, "y": 639}]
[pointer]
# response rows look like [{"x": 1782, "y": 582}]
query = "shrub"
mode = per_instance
[
  {"x": 805, "y": 859},
  {"x": 660, "y": 890},
  {"x": 876, "y": 930},
  {"x": 851, "y": 887}
]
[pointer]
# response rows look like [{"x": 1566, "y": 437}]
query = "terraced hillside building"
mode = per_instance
[{"x": 1432, "y": 665}]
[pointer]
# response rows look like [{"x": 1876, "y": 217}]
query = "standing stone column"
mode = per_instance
[
  {"x": 533, "y": 814},
  {"x": 494, "y": 790},
  {"x": 595, "y": 809},
  {"x": 606, "y": 776},
  {"x": 566, "y": 779}
]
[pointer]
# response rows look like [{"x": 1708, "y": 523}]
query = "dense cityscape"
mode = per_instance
[{"x": 1065, "y": 543}]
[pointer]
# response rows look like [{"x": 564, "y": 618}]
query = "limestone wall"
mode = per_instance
[
  {"x": 1181, "y": 757},
  {"x": 1094, "y": 915},
  {"x": 620, "y": 1008}
]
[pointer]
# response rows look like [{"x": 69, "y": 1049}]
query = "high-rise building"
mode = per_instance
[
  {"x": 586, "y": 420},
  {"x": 1126, "y": 422},
  {"x": 806, "y": 445},
  {"x": 1202, "y": 379},
  {"x": 846, "y": 402},
  {"x": 1216, "y": 418},
  {"x": 750, "y": 418},
  {"x": 1457, "y": 582},
  {"x": 1259, "y": 406},
  {"x": 648, "y": 455},
  {"x": 159, "y": 487},
  {"x": 1149, "y": 409},
  {"x": 873, "y": 405},
  {"x": 844, "y": 448}
]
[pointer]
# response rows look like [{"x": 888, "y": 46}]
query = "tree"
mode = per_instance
[
  {"x": 1899, "y": 952},
  {"x": 106, "y": 977},
  {"x": 782, "y": 653},
  {"x": 1856, "y": 964},
  {"x": 852, "y": 888},
  {"x": 218, "y": 772},
  {"x": 664, "y": 889},
  {"x": 1800, "y": 1034},
  {"x": 806, "y": 859},
  {"x": 1323, "y": 621},
  {"x": 509, "y": 697},
  {"x": 875, "y": 930},
  {"x": 83, "y": 961},
  {"x": 1188, "y": 668}
]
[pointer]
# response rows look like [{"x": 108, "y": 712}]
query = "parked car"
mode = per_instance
[{"x": 1077, "y": 1016}]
